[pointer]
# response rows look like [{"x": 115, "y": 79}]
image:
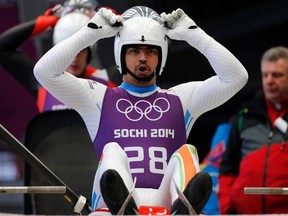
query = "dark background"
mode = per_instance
[{"x": 246, "y": 28}]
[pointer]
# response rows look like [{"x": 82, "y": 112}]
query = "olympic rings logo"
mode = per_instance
[{"x": 141, "y": 108}]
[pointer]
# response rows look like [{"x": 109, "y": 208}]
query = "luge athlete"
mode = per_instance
[{"x": 138, "y": 129}]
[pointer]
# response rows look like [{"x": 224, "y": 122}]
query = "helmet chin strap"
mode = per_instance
[{"x": 142, "y": 79}]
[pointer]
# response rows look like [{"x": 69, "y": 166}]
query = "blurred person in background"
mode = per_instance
[
  {"x": 64, "y": 20},
  {"x": 256, "y": 154}
]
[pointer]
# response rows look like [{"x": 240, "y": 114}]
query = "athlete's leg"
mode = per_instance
[
  {"x": 115, "y": 192},
  {"x": 182, "y": 167},
  {"x": 115, "y": 158},
  {"x": 186, "y": 165},
  {"x": 197, "y": 193}
]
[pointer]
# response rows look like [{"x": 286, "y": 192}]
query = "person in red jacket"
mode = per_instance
[{"x": 257, "y": 153}]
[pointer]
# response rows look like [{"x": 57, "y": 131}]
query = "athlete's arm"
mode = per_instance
[
  {"x": 83, "y": 95},
  {"x": 17, "y": 63},
  {"x": 231, "y": 76},
  {"x": 80, "y": 94},
  {"x": 14, "y": 37}
]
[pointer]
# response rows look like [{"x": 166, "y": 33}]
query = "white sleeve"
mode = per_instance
[
  {"x": 80, "y": 94},
  {"x": 200, "y": 97}
]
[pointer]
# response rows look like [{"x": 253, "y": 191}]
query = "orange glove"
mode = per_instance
[{"x": 48, "y": 20}]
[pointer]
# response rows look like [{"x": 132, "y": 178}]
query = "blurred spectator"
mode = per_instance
[
  {"x": 64, "y": 21},
  {"x": 74, "y": 15},
  {"x": 257, "y": 153},
  {"x": 211, "y": 164}
]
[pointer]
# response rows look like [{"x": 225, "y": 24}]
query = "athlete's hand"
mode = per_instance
[
  {"x": 105, "y": 23},
  {"x": 177, "y": 23},
  {"x": 47, "y": 21}
]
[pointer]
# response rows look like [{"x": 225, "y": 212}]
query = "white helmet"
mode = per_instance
[
  {"x": 70, "y": 24},
  {"x": 141, "y": 26},
  {"x": 89, "y": 4},
  {"x": 84, "y": 6}
]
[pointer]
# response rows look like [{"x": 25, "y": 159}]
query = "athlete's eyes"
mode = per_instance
[
  {"x": 147, "y": 51},
  {"x": 152, "y": 51},
  {"x": 132, "y": 51}
]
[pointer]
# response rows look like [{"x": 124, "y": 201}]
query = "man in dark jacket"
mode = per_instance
[{"x": 256, "y": 153}]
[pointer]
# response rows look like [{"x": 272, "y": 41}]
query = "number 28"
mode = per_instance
[{"x": 153, "y": 159}]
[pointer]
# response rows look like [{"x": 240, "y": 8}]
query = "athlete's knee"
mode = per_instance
[
  {"x": 187, "y": 148},
  {"x": 113, "y": 149},
  {"x": 111, "y": 146}
]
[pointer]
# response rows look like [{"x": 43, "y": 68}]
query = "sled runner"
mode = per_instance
[{"x": 147, "y": 210}]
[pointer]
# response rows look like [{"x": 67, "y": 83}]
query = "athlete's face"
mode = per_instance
[
  {"x": 141, "y": 61},
  {"x": 275, "y": 80},
  {"x": 79, "y": 64}
]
